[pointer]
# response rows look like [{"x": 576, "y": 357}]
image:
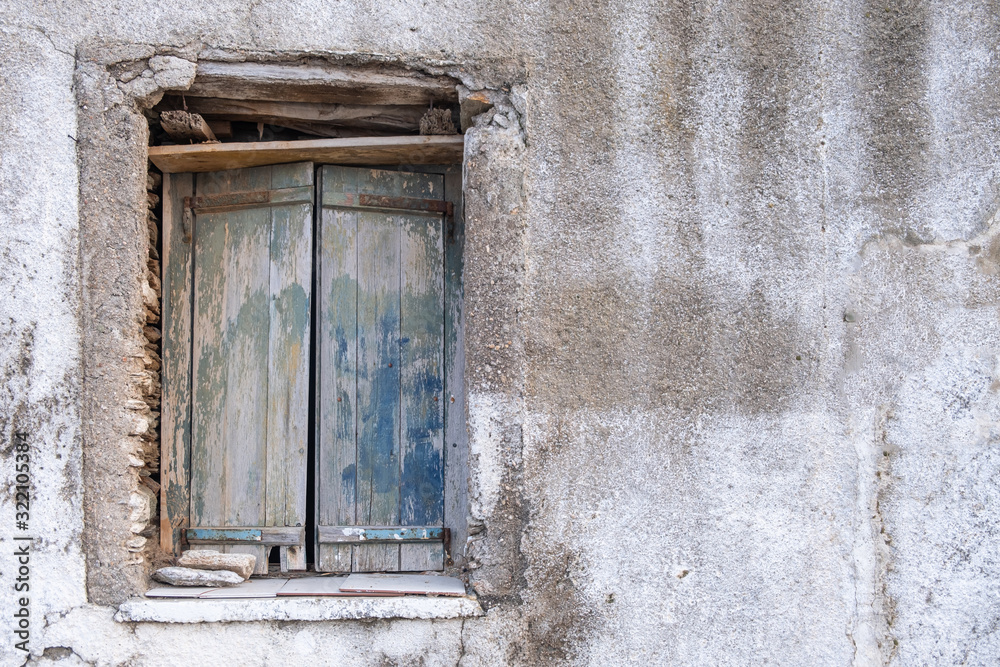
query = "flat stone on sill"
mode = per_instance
[
  {"x": 241, "y": 564},
  {"x": 185, "y": 576}
]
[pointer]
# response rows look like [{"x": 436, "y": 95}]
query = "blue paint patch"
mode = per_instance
[
  {"x": 378, "y": 448},
  {"x": 348, "y": 481},
  {"x": 292, "y": 305},
  {"x": 422, "y": 497},
  {"x": 224, "y": 534}
]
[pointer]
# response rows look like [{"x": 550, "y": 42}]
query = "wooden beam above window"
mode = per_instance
[
  {"x": 355, "y": 150},
  {"x": 321, "y": 82}
]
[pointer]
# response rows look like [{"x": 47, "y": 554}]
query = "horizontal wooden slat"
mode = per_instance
[
  {"x": 400, "y": 118},
  {"x": 236, "y": 200},
  {"x": 355, "y": 150},
  {"x": 320, "y": 83},
  {"x": 412, "y": 205},
  {"x": 365, "y": 534},
  {"x": 272, "y": 535},
  {"x": 195, "y": 535}
]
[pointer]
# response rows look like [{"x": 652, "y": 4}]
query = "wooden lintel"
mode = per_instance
[
  {"x": 397, "y": 117},
  {"x": 320, "y": 83},
  {"x": 355, "y": 150}
]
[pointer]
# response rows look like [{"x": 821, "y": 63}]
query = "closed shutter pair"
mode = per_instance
[{"x": 248, "y": 255}]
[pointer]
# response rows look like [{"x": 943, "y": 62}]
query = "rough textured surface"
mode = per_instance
[
  {"x": 186, "y": 576},
  {"x": 296, "y": 609},
  {"x": 241, "y": 564},
  {"x": 732, "y": 306}
]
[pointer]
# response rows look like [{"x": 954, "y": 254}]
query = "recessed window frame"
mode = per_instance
[{"x": 406, "y": 154}]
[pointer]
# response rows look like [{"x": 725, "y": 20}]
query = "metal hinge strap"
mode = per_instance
[
  {"x": 387, "y": 203},
  {"x": 234, "y": 201}
]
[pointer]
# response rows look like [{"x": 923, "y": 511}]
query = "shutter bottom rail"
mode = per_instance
[
  {"x": 279, "y": 536},
  {"x": 383, "y": 534}
]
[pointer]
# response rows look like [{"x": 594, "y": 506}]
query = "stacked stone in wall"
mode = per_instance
[{"x": 146, "y": 462}]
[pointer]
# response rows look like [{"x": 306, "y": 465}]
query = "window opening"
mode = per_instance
[{"x": 412, "y": 531}]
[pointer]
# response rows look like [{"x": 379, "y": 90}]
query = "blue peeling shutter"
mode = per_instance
[{"x": 380, "y": 403}]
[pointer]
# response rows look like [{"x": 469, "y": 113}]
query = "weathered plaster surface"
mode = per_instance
[
  {"x": 295, "y": 609},
  {"x": 732, "y": 305}
]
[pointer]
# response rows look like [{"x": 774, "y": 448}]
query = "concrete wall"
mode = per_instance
[{"x": 746, "y": 257}]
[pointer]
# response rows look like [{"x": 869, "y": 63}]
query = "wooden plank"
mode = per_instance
[
  {"x": 421, "y": 368},
  {"x": 196, "y": 535},
  {"x": 289, "y": 355},
  {"x": 355, "y": 150},
  {"x": 456, "y": 440},
  {"x": 293, "y": 558},
  {"x": 325, "y": 83},
  {"x": 337, "y": 386},
  {"x": 261, "y": 552},
  {"x": 271, "y": 535},
  {"x": 390, "y": 117},
  {"x": 356, "y": 534},
  {"x": 417, "y": 584},
  {"x": 175, "y": 435},
  {"x": 222, "y": 129},
  {"x": 323, "y": 587},
  {"x": 378, "y": 373},
  {"x": 251, "y": 588},
  {"x": 456, "y": 436},
  {"x": 231, "y": 330}
]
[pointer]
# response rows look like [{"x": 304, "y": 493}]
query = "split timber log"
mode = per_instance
[{"x": 186, "y": 127}]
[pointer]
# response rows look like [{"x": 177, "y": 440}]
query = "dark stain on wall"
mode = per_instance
[
  {"x": 697, "y": 349},
  {"x": 896, "y": 35}
]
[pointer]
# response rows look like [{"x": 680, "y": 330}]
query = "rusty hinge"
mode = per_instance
[
  {"x": 385, "y": 202},
  {"x": 233, "y": 201}
]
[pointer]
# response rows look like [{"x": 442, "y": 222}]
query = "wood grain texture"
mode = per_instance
[
  {"x": 398, "y": 534},
  {"x": 390, "y": 467},
  {"x": 336, "y": 467},
  {"x": 325, "y": 83},
  {"x": 252, "y": 284},
  {"x": 289, "y": 354},
  {"x": 396, "y": 117},
  {"x": 355, "y": 150},
  {"x": 231, "y": 327},
  {"x": 456, "y": 436},
  {"x": 186, "y": 127},
  {"x": 378, "y": 373},
  {"x": 421, "y": 368},
  {"x": 175, "y": 460},
  {"x": 456, "y": 440}
]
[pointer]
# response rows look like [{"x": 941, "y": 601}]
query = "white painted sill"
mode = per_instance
[{"x": 144, "y": 610}]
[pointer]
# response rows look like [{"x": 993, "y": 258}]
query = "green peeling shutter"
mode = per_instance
[
  {"x": 244, "y": 238},
  {"x": 380, "y": 402}
]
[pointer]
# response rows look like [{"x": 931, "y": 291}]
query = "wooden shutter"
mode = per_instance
[
  {"x": 380, "y": 400},
  {"x": 237, "y": 292}
]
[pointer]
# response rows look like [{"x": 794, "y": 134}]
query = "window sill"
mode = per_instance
[{"x": 142, "y": 610}]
